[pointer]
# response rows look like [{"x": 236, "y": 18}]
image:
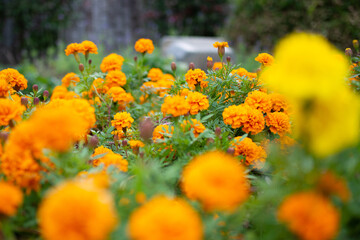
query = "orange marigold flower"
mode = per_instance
[
  {"x": 89, "y": 47},
  {"x": 279, "y": 103},
  {"x": 61, "y": 92},
  {"x": 4, "y": 87},
  {"x": 149, "y": 87},
  {"x": 220, "y": 44},
  {"x": 278, "y": 122},
  {"x": 259, "y": 100},
  {"x": 98, "y": 85},
  {"x": 195, "y": 125},
  {"x": 136, "y": 143},
  {"x": 119, "y": 95},
  {"x": 73, "y": 210},
  {"x": 74, "y": 48},
  {"x": 329, "y": 184},
  {"x": 163, "y": 86},
  {"x": 252, "y": 120},
  {"x": 16, "y": 80},
  {"x": 310, "y": 216},
  {"x": 217, "y": 180},
  {"x": 122, "y": 120},
  {"x": 217, "y": 66},
  {"x": 99, "y": 179},
  {"x": 175, "y": 105},
  {"x": 265, "y": 59},
  {"x": 160, "y": 130},
  {"x": 168, "y": 77},
  {"x": 115, "y": 79},
  {"x": 10, "y": 110},
  {"x": 253, "y": 153},
  {"x": 165, "y": 218},
  {"x": 197, "y": 101},
  {"x": 240, "y": 72},
  {"x": 144, "y": 45},
  {"x": 70, "y": 79},
  {"x": 111, "y": 62},
  {"x": 155, "y": 74},
  {"x": 11, "y": 197},
  {"x": 112, "y": 158},
  {"x": 184, "y": 92},
  {"x": 196, "y": 77}
]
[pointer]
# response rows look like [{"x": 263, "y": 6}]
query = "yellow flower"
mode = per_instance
[
  {"x": 16, "y": 80},
  {"x": 209, "y": 59},
  {"x": 122, "y": 120},
  {"x": 307, "y": 66},
  {"x": 279, "y": 103},
  {"x": 220, "y": 44},
  {"x": 115, "y": 79},
  {"x": 144, "y": 45},
  {"x": 136, "y": 143},
  {"x": 253, "y": 153},
  {"x": 196, "y": 77},
  {"x": 112, "y": 158},
  {"x": 73, "y": 210},
  {"x": 217, "y": 180},
  {"x": 74, "y": 48},
  {"x": 265, "y": 59},
  {"x": 11, "y": 198},
  {"x": 119, "y": 95},
  {"x": 194, "y": 124},
  {"x": 111, "y": 62},
  {"x": 310, "y": 216},
  {"x": 10, "y": 110},
  {"x": 259, "y": 100},
  {"x": 70, "y": 79},
  {"x": 89, "y": 47},
  {"x": 160, "y": 130},
  {"x": 4, "y": 87},
  {"x": 278, "y": 122},
  {"x": 197, "y": 101},
  {"x": 217, "y": 65},
  {"x": 155, "y": 74},
  {"x": 163, "y": 218},
  {"x": 175, "y": 105},
  {"x": 60, "y": 92}
]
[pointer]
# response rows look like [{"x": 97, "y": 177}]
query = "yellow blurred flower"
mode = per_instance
[
  {"x": 70, "y": 79},
  {"x": 11, "y": 197},
  {"x": 10, "y": 110}
]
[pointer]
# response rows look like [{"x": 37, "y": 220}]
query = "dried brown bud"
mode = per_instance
[
  {"x": 217, "y": 131},
  {"x": 81, "y": 67},
  {"x": 24, "y": 101},
  {"x": 135, "y": 59},
  {"x": 191, "y": 66},
  {"x": 146, "y": 128},
  {"x": 230, "y": 151},
  {"x": 141, "y": 154},
  {"x": 124, "y": 142},
  {"x": 90, "y": 61},
  {"x": 94, "y": 141},
  {"x": 36, "y": 101},
  {"x": 228, "y": 59},
  {"x": 173, "y": 66}
]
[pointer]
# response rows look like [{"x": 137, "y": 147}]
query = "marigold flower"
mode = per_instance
[
  {"x": 115, "y": 79},
  {"x": 98, "y": 85},
  {"x": 175, "y": 105},
  {"x": 265, "y": 59},
  {"x": 250, "y": 119},
  {"x": 196, "y": 77},
  {"x": 310, "y": 216},
  {"x": 253, "y": 153},
  {"x": 11, "y": 197},
  {"x": 160, "y": 130},
  {"x": 112, "y": 158},
  {"x": 278, "y": 122},
  {"x": 136, "y": 143},
  {"x": 217, "y": 66},
  {"x": 70, "y": 79},
  {"x": 73, "y": 210},
  {"x": 111, "y": 62},
  {"x": 122, "y": 120},
  {"x": 155, "y": 74},
  {"x": 10, "y": 110},
  {"x": 165, "y": 218},
  {"x": 163, "y": 86},
  {"x": 16, "y": 80},
  {"x": 60, "y": 92},
  {"x": 217, "y": 180},
  {"x": 329, "y": 183},
  {"x": 220, "y": 44},
  {"x": 144, "y": 45},
  {"x": 184, "y": 92},
  {"x": 259, "y": 100},
  {"x": 98, "y": 179},
  {"x": 89, "y": 47},
  {"x": 279, "y": 103},
  {"x": 4, "y": 87},
  {"x": 197, "y": 101},
  {"x": 74, "y": 48},
  {"x": 195, "y": 125},
  {"x": 119, "y": 95}
]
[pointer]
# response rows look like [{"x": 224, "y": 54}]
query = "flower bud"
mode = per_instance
[
  {"x": 90, "y": 61},
  {"x": 221, "y": 51},
  {"x": 228, "y": 59},
  {"x": 173, "y": 66},
  {"x": 81, "y": 67},
  {"x": 217, "y": 131},
  {"x": 4, "y": 136},
  {"x": 36, "y": 101},
  {"x": 141, "y": 154},
  {"x": 24, "y": 101},
  {"x": 135, "y": 59},
  {"x": 124, "y": 142},
  {"x": 230, "y": 151},
  {"x": 46, "y": 94},
  {"x": 94, "y": 141},
  {"x": 146, "y": 128},
  {"x": 356, "y": 44},
  {"x": 348, "y": 52},
  {"x": 209, "y": 63},
  {"x": 191, "y": 66},
  {"x": 35, "y": 87}
]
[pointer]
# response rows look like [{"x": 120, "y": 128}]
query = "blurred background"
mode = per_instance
[{"x": 34, "y": 34}]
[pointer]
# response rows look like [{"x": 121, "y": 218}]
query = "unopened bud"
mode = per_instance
[
  {"x": 230, "y": 151},
  {"x": 348, "y": 52},
  {"x": 141, "y": 154},
  {"x": 135, "y": 59},
  {"x": 221, "y": 51},
  {"x": 173, "y": 66},
  {"x": 116, "y": 138},
  {"x": 146, "y": 128},
  {"x": 36, "y": 101},
  {"x": 94, "y": 141},
  {"x": 209, "y": 64},
  {"x": 4, "y": 136},
  {"x": 24, "y": 101},
  {"x": 46, "y": 94},
  {"x": 81, "y": 67},
  {"x": 90, "y": 61},
  {"x": 356, "y": 44},
  {"x": 35, "y": 88},
  {"x": 124, "y": 142},
  {"x": 191, "y": 66},
  {"x": 258, "y": 71},
  {"x": 228, "y": 59},
  {"x": 229, "y": 138},
  {"x": 217, "y": 131}
]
